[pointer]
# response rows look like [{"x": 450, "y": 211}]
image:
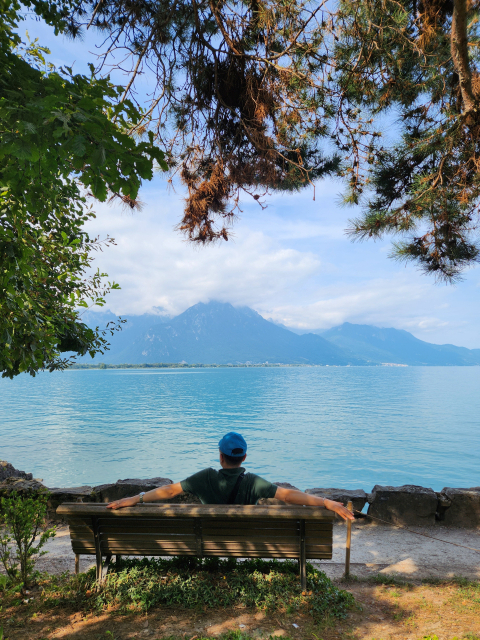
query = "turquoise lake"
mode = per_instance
[{"x": 349, "y": 427}]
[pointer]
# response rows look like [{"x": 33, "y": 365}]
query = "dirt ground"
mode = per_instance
[{"x": 383, "y": 612}]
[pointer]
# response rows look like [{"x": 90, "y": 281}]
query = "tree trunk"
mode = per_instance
[{"x": 459, "y": 47}]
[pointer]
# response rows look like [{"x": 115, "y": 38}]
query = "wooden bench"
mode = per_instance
[{"x": 253, "y": 531}]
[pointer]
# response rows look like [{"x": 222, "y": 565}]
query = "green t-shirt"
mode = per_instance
[{"x": 215, "y": 487}]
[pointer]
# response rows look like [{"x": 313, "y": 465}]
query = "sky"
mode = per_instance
[{"x": 292, "y": 262}]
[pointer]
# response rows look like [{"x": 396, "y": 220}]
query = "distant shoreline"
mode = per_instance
[
  {"x": 249, "y": 365},
  {"x": 177, "y": 365}
]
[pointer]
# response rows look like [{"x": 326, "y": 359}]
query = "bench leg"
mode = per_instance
[
  {"x": 118, "y": 558},
  {"x": 303, "y": 573},
  {"x": 98, "y": 552},
  {"x": 77, "y": 564},
  {"x": 303, "y": 557},
  {"x": 105, "y": 568},
  {"x": 102, "y": 569},
  {"x": 348, "y": 542},
  {"x": 98, "y": 574}
]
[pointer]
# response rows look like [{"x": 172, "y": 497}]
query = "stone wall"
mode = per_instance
[{"x": 408, "y": 505}]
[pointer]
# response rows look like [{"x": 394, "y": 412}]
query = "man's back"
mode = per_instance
[{"x": 216, "y": 487}]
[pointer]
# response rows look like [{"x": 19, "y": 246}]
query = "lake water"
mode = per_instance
[{"x": 313, "y": 427}]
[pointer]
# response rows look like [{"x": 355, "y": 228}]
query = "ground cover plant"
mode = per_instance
[{"x": 191, "y": 583}]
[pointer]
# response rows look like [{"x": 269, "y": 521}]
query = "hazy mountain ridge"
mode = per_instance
[
  {"x": 218, "y": 333},
  {"x": 379, "y": 345}
]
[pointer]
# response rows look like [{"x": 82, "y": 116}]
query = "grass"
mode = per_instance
[
  {"x": 230, "y": 635},
  {"x": 202, "y": 584},
  {"x": 387, "y": 579},
  {"x": 467, "y": 636},
  {"x": 466, "y": 596}
]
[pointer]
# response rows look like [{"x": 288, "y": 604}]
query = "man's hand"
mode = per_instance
[
  {"x": 338, "y": 507},
  {"x": 124, "y": 502}
]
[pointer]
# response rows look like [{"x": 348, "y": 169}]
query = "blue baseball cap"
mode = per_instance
[{"x": 233, "y": 444}]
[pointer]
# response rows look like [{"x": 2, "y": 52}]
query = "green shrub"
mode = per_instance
[
  {"x": 197, "y": 583},
  {"x": 23, "y": 533}
]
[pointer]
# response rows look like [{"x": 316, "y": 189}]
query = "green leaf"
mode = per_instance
[{"x": 79, "y": 145}]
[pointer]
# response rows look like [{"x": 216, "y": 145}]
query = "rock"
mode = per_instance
[
  {"x": 285, "y": 485},
  {"x": 184, "y": 498},
  {"x": 69, "y": 494},
  {"x": 464, "y": 508},
  {"x": 153, "y": 483},
  {"x": 7, "y": 470},
  {"x": 156, "y": 482},
  {"x": 443, "y": 503},
  {"x": 357, "y": 496},
  {"x": 126, "y": 488},
  {"x": 21, "y": 486},
  {"x": 406, "y": 505}
]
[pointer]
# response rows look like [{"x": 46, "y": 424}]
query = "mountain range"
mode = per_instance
[{"x": 218, "y": 333}]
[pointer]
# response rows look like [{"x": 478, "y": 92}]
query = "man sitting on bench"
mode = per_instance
[{"x": 231, "y": 485}]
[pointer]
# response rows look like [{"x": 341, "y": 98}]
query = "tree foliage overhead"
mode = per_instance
[
  {"x": 235, "y": 102},
  {"x": 270, "y": 94},
  {"x": 63, "y": 137},
  {"x": 418, "y": 60}
]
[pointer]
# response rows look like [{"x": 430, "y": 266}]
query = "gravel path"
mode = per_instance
[{"x": 375, "y": 549}]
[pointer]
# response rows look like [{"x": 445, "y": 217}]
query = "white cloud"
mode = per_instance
[
  {"x": 156, "y": 267},
  {"x": 399, "y": 302}
]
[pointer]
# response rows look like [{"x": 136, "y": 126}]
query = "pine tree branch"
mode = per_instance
[{"x": 459, "y": 46}]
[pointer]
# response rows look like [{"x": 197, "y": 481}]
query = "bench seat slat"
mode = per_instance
[
  {"x": 89, "y": 539},
  {"x": 140, "y": 552},
  {"x": 319, "y": 552},
  {"x": 265, "y": 554},
  {"x": 145, "y": 538},
  {"x": 251, "y": 554},
  {"x": 254, "y": 537},
  {"x": 277, "y": 523},
  {"x": 312, "y": 548},
  {"x": 149, "y": 522},
  {"x": 128, "y": 545},
  {"x": 312, "y": 527},
  {"x": 250, "y": 545},
  {"x": 118, "y": 527},
  {"x": 115, "y": 544}
]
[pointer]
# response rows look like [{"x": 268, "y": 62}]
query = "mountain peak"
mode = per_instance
[{"x": 217, "y": 332}]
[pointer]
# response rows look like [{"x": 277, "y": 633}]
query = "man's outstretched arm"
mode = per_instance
[
  {"x": 162, "y": 493},
  {"x": 298, "y": 497}
]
